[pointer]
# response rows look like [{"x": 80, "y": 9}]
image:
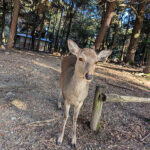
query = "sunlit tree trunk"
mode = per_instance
[
  {"x": 3, "y": 24},
  {"x": 57, "y": 34},
  {"x": 136, "y": 32},
  {"x": 105, "y": 24},
  {"x": 13, "y": 24}
]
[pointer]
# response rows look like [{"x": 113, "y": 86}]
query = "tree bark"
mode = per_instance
[
  {"x": 63, "y": 30},
  {"x": 41, "y": 30},
  {"x": 13, "y": 24},
  {"x": 136, "y": 33},
  {"x": 144, "y": 51},
  {"x": 24, "y": 45},
  {"x": 107, "y": 39},
  {"x": 112, "y": 45},
  {"x": 3, "y": 24},
  {"x": 124, "y": 41},
  {"x": 72, "y": 13},
  {"x": 57, "y": 34},
  {"x": 33, "y": 37},
  {"x": 147, "y": 69},
  {"x": 105, "y": 24}
]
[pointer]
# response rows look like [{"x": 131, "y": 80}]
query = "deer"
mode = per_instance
[{"x": 77, "y": 70}]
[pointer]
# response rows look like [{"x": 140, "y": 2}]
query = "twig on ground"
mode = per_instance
[
  {"x": 40, "y": 123},
  {"x": 145, "y": 137}
]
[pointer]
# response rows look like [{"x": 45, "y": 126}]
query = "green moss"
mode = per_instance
[{"x": 98, "y": 126}]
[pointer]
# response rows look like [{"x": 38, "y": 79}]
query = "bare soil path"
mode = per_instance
[{"x": 28, "y": 97}]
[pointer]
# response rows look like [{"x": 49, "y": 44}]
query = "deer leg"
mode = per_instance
[
  {"x": 66, "y": 114},
  {"x": 75, "y": 117},
  {"x": 59, "y": 105}
]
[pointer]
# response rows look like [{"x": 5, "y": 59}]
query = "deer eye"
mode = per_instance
[{"x": 81, "y": 59}]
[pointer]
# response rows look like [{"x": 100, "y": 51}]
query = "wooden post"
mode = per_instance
[{"x": 97, "y": 107}]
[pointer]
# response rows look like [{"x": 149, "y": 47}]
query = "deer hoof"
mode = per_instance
[
  {"x": 59, "y": 106},
  {"x": 58, "y": 141},
  {"x": 73, "y": 146}
]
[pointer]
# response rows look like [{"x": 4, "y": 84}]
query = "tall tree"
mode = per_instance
[
  {"x": 107, "y": 17},
  {"x": 136, "y": 32},
  {"x": 40, "y": 31},
  {"x": 124, "y": 40},
  {"x": 57, "y": 34},
  {"x": 13, "y": 24},
  {"x": 71, "y": 15}
]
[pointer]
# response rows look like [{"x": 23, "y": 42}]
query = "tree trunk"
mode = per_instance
[
  {"x": 57, "y": 35},
  {"x": 33, "y": 37},
  {"x": 33, "y": 30},
  {"x": 147, "y": 69},
  {"x": 3, "y": 24},
  {"x": 107, "y": 39},
  {"x": 54, "y": 28},
  {"x": 63, "y": 30},
  {"x": 136, "y": 32},
  {"x": 24, "y": 45},
  {"x": 41, "y": 30},
  {"x": 112, "y": 45},
  {"x": 70, "y": 22},
  {"x": 46, "y": 43},
  {"x": 105, "y": 24},
  {"x": 13, "y": 24},
  {"x": 124, "y": 41},
  {"x": 144, "y": 51}
]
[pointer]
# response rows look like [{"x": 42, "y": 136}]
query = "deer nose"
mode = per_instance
[{"x": 88, "y": 76}]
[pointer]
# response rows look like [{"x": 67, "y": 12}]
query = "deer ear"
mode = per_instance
[
  {"x": 73, "y": 47},
  {"x": 104, "y": 54}
]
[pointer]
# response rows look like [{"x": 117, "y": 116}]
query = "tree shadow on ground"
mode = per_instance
[
  {"x": 112, "y": 80},
  {"x": 130, "y": 70}
]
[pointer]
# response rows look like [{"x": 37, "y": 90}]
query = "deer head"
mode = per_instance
[{"x": 86, "y": 60}]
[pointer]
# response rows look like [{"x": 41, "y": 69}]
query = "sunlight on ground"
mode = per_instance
[
  {"x": 44, "y": 65},
  {"x": 19, "y": 104},
  {"x": 29, "y": 53}
]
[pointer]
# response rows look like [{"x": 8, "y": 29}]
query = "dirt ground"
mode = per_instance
[{"x": 29, "y": 119}]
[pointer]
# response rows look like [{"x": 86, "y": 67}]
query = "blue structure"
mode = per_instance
[{"x": 24, "y": 41}]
